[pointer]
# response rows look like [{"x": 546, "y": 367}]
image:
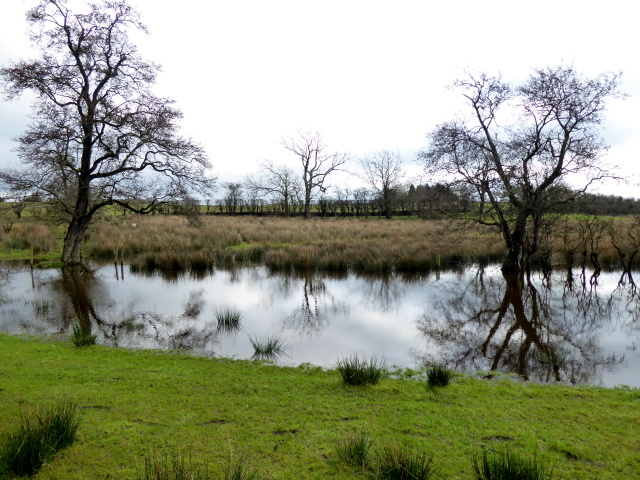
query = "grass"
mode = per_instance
[
  {"x": 355, "y": 451},
  {"x": 439, "y": 376},
  {"x": 81, "y": 335},
  {"x": 268, "y": 347},
  {"x": 171, "y": 467},
  {"x": 289, "y": 419},
  {"x": 400, "y": 463},
  {"x": 48, "y": 429},
  {"x": 505, "y": 464},
  {"x": 357, "y": 370},
  {"x": 228, "y": 319},
  {"x": 41, "y": 306}
]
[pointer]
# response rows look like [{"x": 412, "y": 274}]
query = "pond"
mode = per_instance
[{"x": 570, "y": 326}]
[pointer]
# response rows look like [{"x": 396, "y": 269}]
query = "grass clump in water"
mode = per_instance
[
  {"x": 268, "y": 347},
  {"x": 508, "y": 465},
  {"x": 439, "y": 376},
  {"x": 40, "y": 435},
  {"x": 81, "y": 335},
  {"x": 228, "y": 319},
  {"x": 171, "y": 467},
  {"x": 356, "y": 370},
  {"x": 398, "y": 463},
  {"x": 355, "y": 451}
]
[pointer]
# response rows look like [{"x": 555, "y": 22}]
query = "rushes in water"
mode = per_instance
[
  {"x": 439, "y": 376},
  {"x": 171, "y": 467},
  {"x": 81, "y": 335},
  {"x": 40, "y": 435},
  {"x": 361, "y": 371},
  {"x": 508, "y": 465},
  {"x": 268, "y": 347},
  {"x": 355, "y": 451},
  {"x": 398, "y": 463},
  {"x": 41, "y": 306},
  {"x": 228, "y": 319}
]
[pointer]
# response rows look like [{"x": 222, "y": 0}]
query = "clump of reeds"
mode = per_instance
[
  {"x": 228, "y": 319},
  {"x": 268, "y": 347},
  {"x": 508, "y": 465},
  {"x": 48, "y": 429},
  {"x": 439, "y": 376},
  {"x": 399, "y": 463},
  {"x": 356, "y": 370},
  {"x": 239, "y": 469},
  {"x": 171, "y": 467},
  {"x": 81, "y": 334},
  {"x": 41, "y": 306},
  {"x": 356, "y": 450}
]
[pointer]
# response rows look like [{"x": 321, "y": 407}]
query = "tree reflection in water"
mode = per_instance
[{"x": 516, "y": 324}]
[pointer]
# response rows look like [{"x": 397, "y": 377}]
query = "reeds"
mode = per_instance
[
  {"x": 439, "y": 376},
  {"x": 399, "y": 463},
  {"x": 48, "y": 429},
  {"x": 171, "y": 467},
  {"x": 357, "y": 370},
  {"x": 228, "y": 319},
  {"x": 268, "y": 347},
  {"x": 509, "y": 465},
  {"x": 81, "y": 335}
]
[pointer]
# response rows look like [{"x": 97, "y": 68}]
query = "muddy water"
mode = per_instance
[{"x": 567, "y": 327}]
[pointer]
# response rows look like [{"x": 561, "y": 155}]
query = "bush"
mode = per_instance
[
  {"x": 39, "y": 436},
  {"x": 508, "y": 465},
  {"x": 360, "y": 371}
]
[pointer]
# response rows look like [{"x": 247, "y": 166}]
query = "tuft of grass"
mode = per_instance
[
  {"x": 41, "y": 306},
  {"x": 399, "y": 463},
  {"x": 228, "y": 319},
  {"x": 439, "y": 376},
  {"x": 509, "y": 465},
  {"x": 356, "y": 370},
  {"x": 268, "y": 347},
  {"x": 239, "y": 469},
  {"x": 355, "y": 451},
  {"x": 171, "y": 467},
  {"x": 40, "y": 435},
  {"x": 81, "y": 335}
]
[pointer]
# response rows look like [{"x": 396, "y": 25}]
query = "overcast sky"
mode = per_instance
[{"x": 368, "y": 75}]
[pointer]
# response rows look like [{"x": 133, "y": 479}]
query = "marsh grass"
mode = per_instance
[
  {"x": 357, "y": 370},
  {"x": 48, "y": 429},
  {"x": 81, "y": 335},
  {"x": 439, "y": 376},
  {"x": 509, "y": 465},
  {"x": 171, "y": 467},
  {"x": 228, "y": 319},
  {"x": 399, "y": 463},
  {"x": 41, "y": 306},
  {"x": 355, "y": 451},
  {"x": 268, "y": 347}
]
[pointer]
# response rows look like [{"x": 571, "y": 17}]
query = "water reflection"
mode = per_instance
[
  {"x": 571, "y": 327},
  {"x": 522, "y": 324}
]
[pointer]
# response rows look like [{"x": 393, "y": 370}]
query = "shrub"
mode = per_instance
[
  {"x": 39, "y": 436},
  {"x": 398, "y": 463},
  {"x": 360, "y": 371},
  {"x": 508, "y": 465}
]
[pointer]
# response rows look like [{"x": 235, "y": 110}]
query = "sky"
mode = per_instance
[{"x": 367, "y": 75}]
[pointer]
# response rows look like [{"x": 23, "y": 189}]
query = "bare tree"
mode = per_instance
[
  {"x": 277, "y": 181},
  {"x": 233, "y": 196},
  {"x": 520, "y": 145},
  {"x": 383, "y": 173},
  {"x": 99, "y": 136},
  {"x": 317, "y": 164}
]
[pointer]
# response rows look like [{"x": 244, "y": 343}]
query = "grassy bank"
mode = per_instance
[{"x": 287, "y": 421}]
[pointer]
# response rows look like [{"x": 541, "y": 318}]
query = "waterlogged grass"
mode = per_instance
[
  {"x": 359, "y": 370},
  {"x": 288, "y": 420},
  {"x": 268, "y": 347},
  {"x": 228, "y": 319}
]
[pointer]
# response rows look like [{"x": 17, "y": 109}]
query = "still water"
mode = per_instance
[{"x": 568, "y": 326}]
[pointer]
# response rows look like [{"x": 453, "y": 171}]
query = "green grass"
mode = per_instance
[
  {"x": 40, "y": 435},
  {"x": 400, "y": 463},
  {"x": 355, "y": 451},
  {"x": 81, "y": 335},
  {"x": 505, "y": 464},
  {"x": 356, "y": 370},
  {"x": 289, "y": 419},
  {"x": 171, "y": 467},
  {"x": 439, "y": 376}
]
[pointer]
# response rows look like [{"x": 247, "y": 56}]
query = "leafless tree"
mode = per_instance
[
  {"x": 99, "y": 135},
  {"x": 278, "y": 181},
  {"x": 317, "y": 164},
  {"x": 233, "y": 196},
  {"x": 383, "y": 173},
  {"x": 520, "y": 145}
]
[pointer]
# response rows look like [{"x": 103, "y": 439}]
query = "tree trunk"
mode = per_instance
[{"x": 72, "y": 247}]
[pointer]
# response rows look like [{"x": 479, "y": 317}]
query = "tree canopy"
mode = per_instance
[{"x": 99, "y": 135}]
